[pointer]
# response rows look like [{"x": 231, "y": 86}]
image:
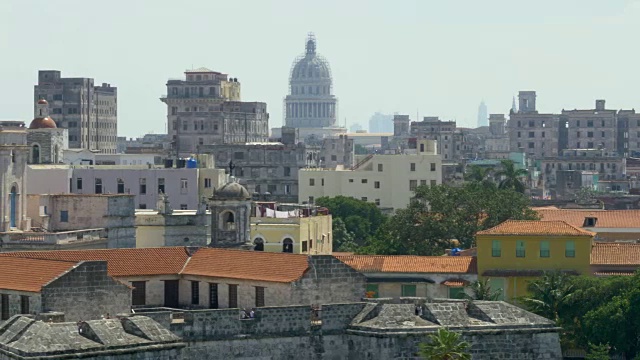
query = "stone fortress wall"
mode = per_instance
[{"x": 362, "y": 330}]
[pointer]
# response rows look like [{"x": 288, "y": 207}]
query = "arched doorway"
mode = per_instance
[
  {"x": 258, "y": 244},
  {"x": 287, "y": 245},
  {"x": 35, "y": 154},
  {"x": 13, "y": 199},
  {"x": 228, "y": 221}
]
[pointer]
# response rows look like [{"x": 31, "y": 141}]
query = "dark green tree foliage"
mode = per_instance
[
  {"x": 598, "y": 352},
  {"x": 442, "y": 213},
  {"x": 480, "y": 175},
  {"x": 445, "y": 345},
  {"x": 360, "y": 218},
  {"x": 512, "y": 177},
  {"x": 342, "y": 238},
  {"x": 360, "y": 150},
  {"x": 550, "y": 294},
  {"x": 481, "y": 290}
]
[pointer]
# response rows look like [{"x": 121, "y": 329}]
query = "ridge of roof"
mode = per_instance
[
  {"x": 536, "y": 227},
  {"x": 411, "y": 263},
  {"x": 26, "y": 274}
]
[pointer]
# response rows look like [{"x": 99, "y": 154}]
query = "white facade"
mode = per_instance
[
  {"x": 13, "y": 163},
  {"x": 185, "y": 187},
  {"x": 128, "y": 159},
  {"x": 386, "y": 180}
]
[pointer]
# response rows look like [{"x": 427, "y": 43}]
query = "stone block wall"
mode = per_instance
[
  {"x": 328, "y": 280},
  {"x": 336, "y": 317},
  {"x": 15, "y": 302},
  {"x": 86, "y": 292},
  {"x": 121, "y": 222}
]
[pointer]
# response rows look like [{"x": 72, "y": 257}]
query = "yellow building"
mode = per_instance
[
  {"x": 298, "y": 234},
  {"x": 517, "y": 251}
]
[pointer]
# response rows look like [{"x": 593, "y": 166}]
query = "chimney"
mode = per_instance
[{"x": 599, "y": 105}]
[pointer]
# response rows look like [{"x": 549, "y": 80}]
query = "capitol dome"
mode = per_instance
[
  {"x": 310, "y": 67},
  {"x": 42, "y": 120}
]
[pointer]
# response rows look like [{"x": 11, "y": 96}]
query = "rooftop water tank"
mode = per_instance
[{"x": 192, "y": 163}]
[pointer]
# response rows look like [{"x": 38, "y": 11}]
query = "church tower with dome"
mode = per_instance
[
  {"x": 310, "y": 102},
  {"x": 230, "y": 216},
  {"x": 45, "y": 140}
]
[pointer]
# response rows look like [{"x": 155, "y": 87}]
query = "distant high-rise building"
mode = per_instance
[
  {"x": 310, "y": 102},
  {"x": 355, "y": 127},
  {"x": 381, "y": 123},
  {"x": 205, "y": 109},
  {"x": 89, "y": 112},
  {"x": 483, "y": 115},
  {"x": 514, "y": 107}
]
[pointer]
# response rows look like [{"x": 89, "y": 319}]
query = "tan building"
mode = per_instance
[
  {"x": 414, "y": 276},
  {"x": 387, "y": 180}
]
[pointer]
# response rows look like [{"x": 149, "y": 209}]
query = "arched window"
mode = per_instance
[
  {"x": 259, "y": 244},
  {"x": 287, "y": 245},
  {"x": 35, "y": 154},
  {"x": 13, "y": 199},
  {"x": 228, "y": 221}
]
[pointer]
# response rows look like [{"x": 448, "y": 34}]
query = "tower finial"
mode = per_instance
[{"x": 311, "y": 44}]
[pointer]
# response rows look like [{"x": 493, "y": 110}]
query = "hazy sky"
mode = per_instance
[{"x": 433, "y": 57}]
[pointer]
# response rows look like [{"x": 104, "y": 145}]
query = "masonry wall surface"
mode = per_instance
[
  {"x": 328, "y": 280},
  {"x": 86, "y": 292}
]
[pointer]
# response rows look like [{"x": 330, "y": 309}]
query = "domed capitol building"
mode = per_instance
[{"x": 310, "y": 104}]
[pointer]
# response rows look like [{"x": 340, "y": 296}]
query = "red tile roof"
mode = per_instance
[
  {"x": 535, "y": 227},
  {"x": 21, "y": 274},
  {"x": 249, "y": 265},
  {"x": 604, "y": 218},
  {"x": 615, "y": 254},
  {"x": 120, "y": 262},
  {"x": 411, "y": 264}
]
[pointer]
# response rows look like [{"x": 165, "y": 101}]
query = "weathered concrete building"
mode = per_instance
[
  {"x": 89, "y": 112},
  {"x": 608, "y": 164},
  {"x": 205, "y": 108},
  {"x": 46, "y": 141},
  {"x": 448, "y": 139},
  {"x": 533, "y": 133},
  {"x": 590, "y": 129},
  {"x": 14, "y": 153}
]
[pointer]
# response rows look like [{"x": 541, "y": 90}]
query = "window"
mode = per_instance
[
  {"x": 4, "y": 303},
  {"x": 238, "y": 155},
  {"x": 532, "y": 145},
  {"x": 120, "y": 185},
  {"x": 287, "y": 189},
  {"x": 304, "y": 246},
  {"x": 272, "y": 188},
  {"x": 350, "y": 180},
  {"x": 287, "y": 171},
  {"x": 377, "y": 202},
  {"x": 602, "y": 134},
  {"x": 64, "y": 216},
  {"x": 79, "y": 184},
  {"x": 433, "y": 182},
  {"x": 287, "y": 245},
  {"x": 311, "y": 199},
  {"x": 372, "y": 291},
  {"x": 139, "y": 293},
  {"x": 233, "y": 296},
  {"x": 56, "y": 97},
  {"x": 364, "y": 198},
  {"x": 321, "y": 182},
  {"x": 160, "y": 185},
  {"x": 408, "y": 290},
  {"x": 258, "y": 244},
  {"x": 143, "y": 186},
  {"x": 195, "y": 292},
  {"x": 456, "y": 293},
  {"x": 433, "y": 167},
  {"x": 259, "y": 296},
  {"x": 413, "y": 184},
  {"x": 496, "y": 248},
  {"x": 184, "y": 207},
  {"x": 334, "y": 158},
  {"x": 379, "y": 167},
  {"x": 376, "y": 184},
  {"x": 544, "y": 249},
  {"x": 520, "y": 248},
  {"x": 312, "y": 182},
  {"x": 590, "y": 134},
  {"x": 207, "y": 183},
  {"x": 589, "y": 123},
  {"x": 412, "y": 167},
  {"x": 519, "y": 134},
  {"x": 184, "y": 186},
  {"x": 142, "y": 206},
  {"x": 532, "y": 134},
  {"x": 24, "y": 304},
  {"x": 364, "y": 181},
  {"x": 570, "y": 249},
  {"x": 98, "y": 186},
  {"x": 423, "y": 182},
  {"x": 213, "y": 296}
]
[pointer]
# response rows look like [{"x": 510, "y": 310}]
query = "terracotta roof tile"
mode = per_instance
[
  {"x": 21, "y": 274},
  {"x": 535, "y": 227},
  {"x": 411, "y": 264},
  {"x": 604, "y": 218},
  {"x": 455, "y": 282},
  {"x": 249, "y": 265},
  {"x": 615, "y": 254},
  {"x": 120, "y": 262}
]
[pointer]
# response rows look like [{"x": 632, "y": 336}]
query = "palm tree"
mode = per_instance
[
  {"x": 549, "y": 294},
  {"x": 479, "y": 175},
  {"x": 445, "y": 345},
  {"x": 512, "y": 177},
  {"x": 482, "y": 291}
]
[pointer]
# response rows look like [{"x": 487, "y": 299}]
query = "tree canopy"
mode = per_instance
[
  {"x": 445, "y": 345},
  {"x": 441, "y": 213}
]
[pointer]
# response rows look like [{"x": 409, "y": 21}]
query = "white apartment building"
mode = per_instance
[
  {"x": 185, "y": 187},
  {"x": 386, "y": 180}
]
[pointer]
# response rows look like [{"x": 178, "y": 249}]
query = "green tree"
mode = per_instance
[
  {"x": 360, "y": 150},
  {"x": 361, "y": 219},
  {"x": 598, "y": 352},
  {"x": 549, "y": 295},
  {"x": 342, "y": 238},
  {"x": 481, "y": 290},
  {"x": 480, "y": 175},
  {"x": 444, "y": 345},
  {"x": 512, "y": 177},
  {"x": 441, "y": 213}
]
